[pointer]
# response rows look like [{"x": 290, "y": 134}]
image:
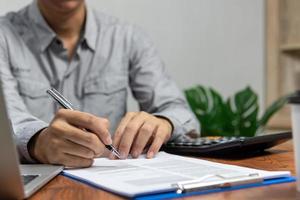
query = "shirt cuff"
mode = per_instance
[
  {"x": 23, "y": 134},
  {"x": 182, "y": 121}
]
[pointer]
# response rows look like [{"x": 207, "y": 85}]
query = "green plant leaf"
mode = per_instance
[
  {"x": 270, "y": 111},
  {"x": 242, "y": 110},
  {"x": 208, "y": 106}
]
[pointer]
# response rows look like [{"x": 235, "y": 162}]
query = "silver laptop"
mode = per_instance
[{"x": 18, "y": 181}]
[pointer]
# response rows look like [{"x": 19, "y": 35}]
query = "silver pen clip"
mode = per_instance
[
  {"x": 60, "y": 99},
  {"x": 225, "y": 181}
]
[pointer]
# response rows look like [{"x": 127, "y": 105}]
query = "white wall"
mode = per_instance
[{"x": 218, "y": 43}]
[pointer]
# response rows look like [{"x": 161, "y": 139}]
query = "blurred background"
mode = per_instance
[{"x": 223, "y": 44}]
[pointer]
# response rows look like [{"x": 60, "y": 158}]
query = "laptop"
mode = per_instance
[{"x": 18, "y": 181}]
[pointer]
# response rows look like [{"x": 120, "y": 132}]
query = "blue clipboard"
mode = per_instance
[{"x": 173, "y": 194}]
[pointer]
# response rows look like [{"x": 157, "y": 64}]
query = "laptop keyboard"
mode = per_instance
[{"x": 28, "y": 178}]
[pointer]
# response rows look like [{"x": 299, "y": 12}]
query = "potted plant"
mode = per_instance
[{"x": 237, "y": 116}]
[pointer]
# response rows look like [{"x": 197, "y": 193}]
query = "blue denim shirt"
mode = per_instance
[{"x": 111, "y": 57}]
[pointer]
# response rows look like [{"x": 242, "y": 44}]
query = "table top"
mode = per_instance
[{"x": 277, "y": 158}]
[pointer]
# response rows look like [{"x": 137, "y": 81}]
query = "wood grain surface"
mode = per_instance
[{"x": 278, "y": 158}]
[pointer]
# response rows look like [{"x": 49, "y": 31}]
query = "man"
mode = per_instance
[{"x": 91, "y": 58}]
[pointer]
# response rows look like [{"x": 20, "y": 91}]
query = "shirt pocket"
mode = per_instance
[
  {"x": 19, "y": 70},
  {"x": 32, "y": 89},
  {"x": 34, "y": 95},
  {"x": 105, "y": 97}
]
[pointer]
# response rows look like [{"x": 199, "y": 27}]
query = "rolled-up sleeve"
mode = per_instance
[
  {"x": 153, "y": 88},
  {"x": 25, "y": 126}
]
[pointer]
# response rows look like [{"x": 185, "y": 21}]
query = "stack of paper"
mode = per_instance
[{"x": 134, "y": 177}]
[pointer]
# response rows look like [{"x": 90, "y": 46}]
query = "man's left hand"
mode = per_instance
[{"x": 139, "y": 131}]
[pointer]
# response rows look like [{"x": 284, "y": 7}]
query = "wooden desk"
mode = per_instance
[{"x": 278, "y": 158}]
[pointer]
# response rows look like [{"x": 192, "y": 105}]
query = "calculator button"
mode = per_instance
[
  {"x": 171, "y": 144},
  {"x": 224, "y": 139},
  {"x": 197, "y": 144},
  {"x": 207, "y": 142},
  {"x": 222, "y": 142}
]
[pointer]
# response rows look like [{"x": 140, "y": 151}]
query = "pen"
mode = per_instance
[{"x": 67, "y": 105}]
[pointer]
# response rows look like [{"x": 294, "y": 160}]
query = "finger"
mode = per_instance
[
  {"x": 75, "y": 161},
  {"x": 159, "y": 139},
  {"x": 78, "y": 136},
  {"x": 144, "y": 135},
  {"x": 74, "y": 149},
  {"x": 88, "y": 121},
  {"x": 129, "y": 134},
  {"x": 120, "y": 131}
]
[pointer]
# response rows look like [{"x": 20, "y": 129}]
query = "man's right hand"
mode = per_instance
[{"x": 72, "y": 139}]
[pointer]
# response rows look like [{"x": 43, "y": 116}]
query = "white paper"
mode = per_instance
[{"x": 133, "y": 177}]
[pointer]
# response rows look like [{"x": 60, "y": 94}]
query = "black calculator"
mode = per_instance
[{"x": 192, "y": 144}]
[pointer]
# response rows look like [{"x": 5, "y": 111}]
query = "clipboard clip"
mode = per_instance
[{"x": 222, "y": 181}]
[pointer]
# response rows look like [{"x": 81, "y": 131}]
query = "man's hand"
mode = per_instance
[
  {"x": 67, "y": 142},
  {"x": 139, "y": 130}
]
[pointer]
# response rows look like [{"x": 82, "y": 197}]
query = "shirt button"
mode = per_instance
[{"x": 59, "y": 43}]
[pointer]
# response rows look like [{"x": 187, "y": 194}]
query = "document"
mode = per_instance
[{"x": 133, "y": 177}]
